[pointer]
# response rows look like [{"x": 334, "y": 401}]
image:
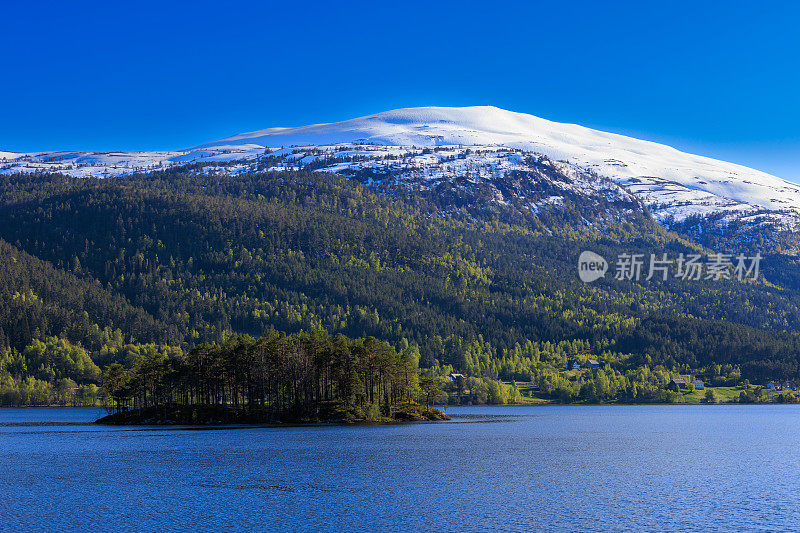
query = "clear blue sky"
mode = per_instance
[{"x": 717, "y": 78}]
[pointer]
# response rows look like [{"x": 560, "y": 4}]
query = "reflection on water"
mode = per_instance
[{"x": 629, "y": 468}]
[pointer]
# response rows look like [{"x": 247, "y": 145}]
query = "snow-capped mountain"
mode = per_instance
[
  {"x": 657, "y": 173},
  {"x": 477, "y": 143}
]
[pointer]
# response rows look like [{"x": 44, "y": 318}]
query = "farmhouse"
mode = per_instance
[{"x": 677, "y": 384}]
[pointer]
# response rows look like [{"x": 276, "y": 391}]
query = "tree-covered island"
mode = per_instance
[{"x": 299, "y": 378}]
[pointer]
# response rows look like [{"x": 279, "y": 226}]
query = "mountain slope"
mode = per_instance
[
  {"x": 186, "y": 257},
  {"x": 648, "y": 168},
  {"x": 674, "y": 185}
]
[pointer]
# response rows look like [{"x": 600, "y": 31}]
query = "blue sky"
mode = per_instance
[{"x": 716, "y": 78}]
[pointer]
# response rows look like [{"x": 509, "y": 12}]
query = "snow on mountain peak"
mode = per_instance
[
  {"x": 646, "y": 166},
  {"x": 673, "y": 184}
]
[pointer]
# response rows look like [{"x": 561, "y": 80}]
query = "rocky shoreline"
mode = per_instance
[{"x": 218, "y": 416}]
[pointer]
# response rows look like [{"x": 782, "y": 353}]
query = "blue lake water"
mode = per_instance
[{"x": 634, "y": 468}]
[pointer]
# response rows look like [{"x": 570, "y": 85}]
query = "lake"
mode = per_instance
[{"x": 588, "y": 468}]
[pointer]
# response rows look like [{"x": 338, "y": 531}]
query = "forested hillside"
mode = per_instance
[{"x": 161, "y": 262}]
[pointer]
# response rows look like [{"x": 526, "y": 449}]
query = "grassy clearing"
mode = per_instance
[
  {"x": 727, "y": 394},
  {"x": 723, "y": 395}
]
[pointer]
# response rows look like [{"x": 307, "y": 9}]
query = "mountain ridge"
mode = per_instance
[
  {"x": 489, "y": 125},
  {"x": 396, "y": 146}
]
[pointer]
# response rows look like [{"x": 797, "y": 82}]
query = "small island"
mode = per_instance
[
  {"x": 303, "y": 378},
  {"x": 222, "y": 416}
]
